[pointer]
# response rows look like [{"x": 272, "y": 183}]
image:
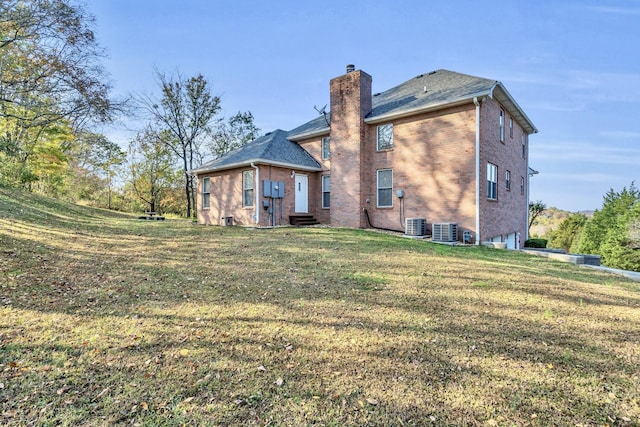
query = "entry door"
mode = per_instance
[{"x": 302, "y": 193}]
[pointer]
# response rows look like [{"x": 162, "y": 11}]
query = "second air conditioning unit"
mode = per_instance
[
  {"x": 415, "y": 227},
  {"x": 445, "y": 232}
]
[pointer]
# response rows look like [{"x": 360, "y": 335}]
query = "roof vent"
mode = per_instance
[
  {"x": 419, "y": 76},
  {"x": 351, "y": 68},
  {"x": 432, "y": 73}
]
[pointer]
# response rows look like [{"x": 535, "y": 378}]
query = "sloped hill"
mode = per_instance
[{"x": 108, "y": 320}]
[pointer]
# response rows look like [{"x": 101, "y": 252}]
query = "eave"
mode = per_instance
[{"x": 248, "y": 163}]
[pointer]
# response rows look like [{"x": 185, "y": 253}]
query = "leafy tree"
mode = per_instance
[
  {"x": 50, "y": 78},
  {"x": 152, "y": 167},
  {"x": 567, "y": 232},
  {"x": 186, "y": 111},
  {"x": 51, "y": 63},
  {"x": 96, "y": 162},
  {"x": 234, "y": 133},
  {"x": 621, "y": 247},
  {"x": 535, "y": 209},
  {"x": 615, "y": 205}
]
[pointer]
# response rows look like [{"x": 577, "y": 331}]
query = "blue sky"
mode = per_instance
[{"x": 573, "y": 66}]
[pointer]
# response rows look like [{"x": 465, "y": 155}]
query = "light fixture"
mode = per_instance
[{"x": 293, "y": 173}]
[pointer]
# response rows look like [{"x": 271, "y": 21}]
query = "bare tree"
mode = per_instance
[{"x": 186, "y": 110}]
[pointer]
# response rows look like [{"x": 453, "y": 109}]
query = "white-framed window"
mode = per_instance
[
  {"x": 522, "y": 185},
  {"x": 385, "y": 137},
  {"x": 385, "y": 188},
  {"x": 507, "y": 180},
  {"x": 326, "y": 148},
  {"x": 501, "y": 125},
  {"x": 511, "y": 127},
  {"x": 247, "y": 189},
  {"x": 206, "y": 192},
  {"x": 524, "y": 146},
  {"x": 492, "y": 181},
  {"x": 326, "y": 191}
]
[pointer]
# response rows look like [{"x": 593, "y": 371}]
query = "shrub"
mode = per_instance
[
  {"x": 621, "y": 248},
  {"x": 615, "y": 205},
  {"x": 535, "y": 243},
  {"x": 567, "y": 232}
]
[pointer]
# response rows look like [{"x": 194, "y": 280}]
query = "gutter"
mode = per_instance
[
  {"x": 310, "y": 134},
  {"x": 477, "y": 104},
  {"x": 427, "y": 108},
  {"x": 255, "y": 161},
  {"x": 257, "y": 193}
]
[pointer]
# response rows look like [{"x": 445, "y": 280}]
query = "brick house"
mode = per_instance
[{"x": 444, "y": 146}]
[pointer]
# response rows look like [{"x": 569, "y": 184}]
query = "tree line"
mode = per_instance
[
  {"x": 613, "y": 232},
  {"x": 54, "y": 93}
]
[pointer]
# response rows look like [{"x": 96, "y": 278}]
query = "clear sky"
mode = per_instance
[{"x": 573, "y": 66}]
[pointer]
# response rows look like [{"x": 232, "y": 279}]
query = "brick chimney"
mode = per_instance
[{"x": 350, "y": 103}]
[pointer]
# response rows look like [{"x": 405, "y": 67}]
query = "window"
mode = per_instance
[
  {"x": 326, "y": 192},
  {"x": 385, "y": 188},
  {"x": 522, "y": 185},
  {"x": 492, "y": 181},
  {"x": 524, "y": 146},
  {"x": 501, "y": 125},
  {"x": 206, "y": 196},
  {"x": 385, "y": 137},
  {"x": 326, "y": 148},
  {"x": 247, "y": 189},
  {"x": 507, "y": 180},
  {"x": 511, "y": 127}
]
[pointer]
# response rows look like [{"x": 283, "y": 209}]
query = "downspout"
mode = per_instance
[
  {"x": 477, "y": 103},
  {"x": 257, "y": 193}
]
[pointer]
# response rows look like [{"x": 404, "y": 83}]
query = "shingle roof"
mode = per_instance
[
  {"x": 272, "y": 148},
  {"x": 434, "y": 88},
  {"x": 426, "y": 91}
]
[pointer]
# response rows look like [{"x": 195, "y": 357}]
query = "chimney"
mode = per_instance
[{"x": 350, "y": 96}]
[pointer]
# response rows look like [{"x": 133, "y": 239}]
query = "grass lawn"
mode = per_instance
[{"x": 109, "y": 320}]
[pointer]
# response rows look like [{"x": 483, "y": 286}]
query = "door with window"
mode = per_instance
[{"x": 302, "y": 193}]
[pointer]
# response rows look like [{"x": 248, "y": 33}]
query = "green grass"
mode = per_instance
[{"x": 107, "y": 320}]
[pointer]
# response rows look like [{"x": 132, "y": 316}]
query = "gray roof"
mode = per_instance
[
  {"x": 434, "y": 88},
  {"x": 431, "y": 91},
  {"x": 273, "y": 148}
]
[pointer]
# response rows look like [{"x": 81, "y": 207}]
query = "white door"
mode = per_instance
[{"x": 302, "y": 193}]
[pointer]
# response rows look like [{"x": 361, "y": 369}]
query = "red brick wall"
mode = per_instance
[
  {"x": 433, "y": 161},
  {"x": 314, "y": 147},
  {"x": 350, "y": 102},
  {"x": 509, "y": 213},
  {"x": 225, "y": 199}
]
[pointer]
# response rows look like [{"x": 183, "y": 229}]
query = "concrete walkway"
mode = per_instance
[{"x": 633, "y": 275}]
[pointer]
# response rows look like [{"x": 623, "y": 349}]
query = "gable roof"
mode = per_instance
[
  {"x": 273, "y": 148},
  {"x": 426, "y": 92}
]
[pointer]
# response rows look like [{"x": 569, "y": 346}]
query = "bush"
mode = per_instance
[
  {"x": 596, "y": 230},
  {"x": 568, "y": 232},
  {"x": 621, "y": 248},
  {"x": 536, "y": 243}
]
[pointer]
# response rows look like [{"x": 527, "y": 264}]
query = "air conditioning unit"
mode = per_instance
[
  {"x": 444, "y": 232},
  {"x": 415, "y": 227}
]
